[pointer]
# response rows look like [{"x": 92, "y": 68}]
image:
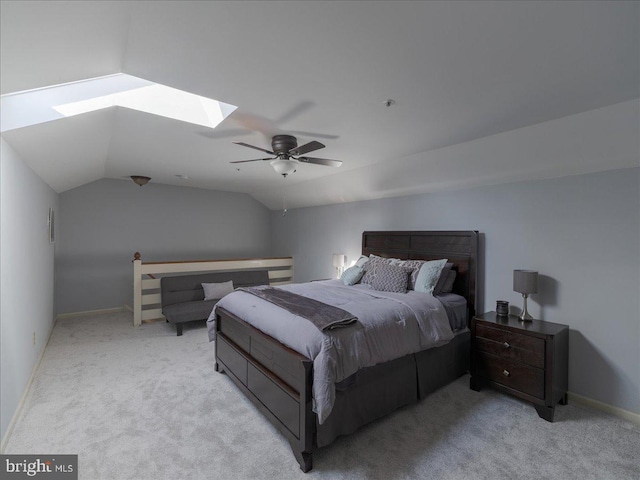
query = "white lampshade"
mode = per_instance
[
  {"x": 338, "y": 260},
  {"x": 285, "y": 167}
]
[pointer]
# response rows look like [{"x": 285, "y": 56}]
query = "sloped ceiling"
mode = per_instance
[{"x": 458, "y": 71}]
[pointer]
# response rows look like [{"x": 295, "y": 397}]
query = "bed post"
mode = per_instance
[
  {"x": 275, "y": 378},
  {"x": 303, "y": 447}
]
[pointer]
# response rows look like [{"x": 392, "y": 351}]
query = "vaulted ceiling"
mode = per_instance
[{"x": 458, "y": 71}]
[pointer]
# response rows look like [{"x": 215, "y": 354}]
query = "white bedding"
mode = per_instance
[{"x": 390, "y": 325}]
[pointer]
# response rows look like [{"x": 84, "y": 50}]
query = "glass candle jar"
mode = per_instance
[{"x": 502, "y": 308}]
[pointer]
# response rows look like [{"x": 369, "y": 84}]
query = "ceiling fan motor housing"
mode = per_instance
[{"x": 282, "y": 144}]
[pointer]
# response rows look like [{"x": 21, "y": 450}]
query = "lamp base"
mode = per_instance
[{"x": 524, "y": 316}]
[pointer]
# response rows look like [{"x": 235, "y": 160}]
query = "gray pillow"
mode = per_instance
[
  {"x": 444, "y": 274},
  {"x": 448, "y": 284},
  {"x": 371, "y": 267},
  {"x": 215, "y": 291},
  {"x": 415, "y": 266},
  {"x": 391, "y": 278},
  {"x": 352, "y": 275}
]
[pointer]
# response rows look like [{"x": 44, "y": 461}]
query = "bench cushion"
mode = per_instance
[{"x": 189, "y": 311}]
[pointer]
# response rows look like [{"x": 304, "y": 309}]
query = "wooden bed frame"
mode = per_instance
[{"x": 278, "y": 380}]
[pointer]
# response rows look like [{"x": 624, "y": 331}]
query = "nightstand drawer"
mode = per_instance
[
  {"x": 516, "y": 375},
  {"x": 524, "y": 342},
  {"x": 508, "y": 350}
]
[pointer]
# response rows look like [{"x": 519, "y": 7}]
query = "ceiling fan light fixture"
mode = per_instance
[
  {"x": 284, "y": 167},
  {"x": 287, "y": 155},
  {"x": 140, "y": 180}
]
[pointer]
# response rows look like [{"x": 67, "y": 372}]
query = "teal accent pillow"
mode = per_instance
[
  {"x": 428, "y": 275},
  {"x": 352, "y": 275},
  {"x": 444, "y": 274}
]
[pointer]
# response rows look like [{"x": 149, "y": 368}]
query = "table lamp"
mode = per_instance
[
  {"x": 525, "y": 282},
  {"x": 338, "y": 262}
]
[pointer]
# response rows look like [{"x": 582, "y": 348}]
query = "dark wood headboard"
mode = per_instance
[{"x": 459, "y": 247}]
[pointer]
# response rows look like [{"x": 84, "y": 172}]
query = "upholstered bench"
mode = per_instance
[{"x": 183, "y": 295}]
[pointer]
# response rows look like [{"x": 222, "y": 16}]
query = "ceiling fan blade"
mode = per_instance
[
  {"x": 234, "y": 132},
  {"x": 253, "y": 123},
  {"x": 321, "y": 161},
  {"x": 255, "y": 148},
  {"x": 295, "y": 111},
  {"x": 313, "y": 135},
  {"x": 306, "y": 148},
  {"x": 254, "y": 160}
]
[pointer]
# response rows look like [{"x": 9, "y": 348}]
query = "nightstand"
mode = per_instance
[{"x": 529, "y": 360}]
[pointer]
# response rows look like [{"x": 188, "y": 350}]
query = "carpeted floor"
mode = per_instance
[{"x": 141, "y": 403}]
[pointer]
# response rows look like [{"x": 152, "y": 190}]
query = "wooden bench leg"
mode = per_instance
[{"x": 179, "y": 329}]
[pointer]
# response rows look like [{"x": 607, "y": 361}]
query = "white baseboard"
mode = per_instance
[
  {"x": 16, "y": 414},
  {"x": 128, "y": 308},
  {"x": 605, "y": 407},
  {"x": 92, "y": 312}
]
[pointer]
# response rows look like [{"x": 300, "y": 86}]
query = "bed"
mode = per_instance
[{"x": 279, "y": 380}]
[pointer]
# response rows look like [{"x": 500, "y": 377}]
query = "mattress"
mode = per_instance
[{"x": 456, "y": 307}]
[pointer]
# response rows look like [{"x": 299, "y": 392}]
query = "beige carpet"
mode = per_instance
[{"x": 141, "y": 403}]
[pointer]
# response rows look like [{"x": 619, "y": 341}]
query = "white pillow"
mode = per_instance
[
  {"x": 215, "y": 291},
  {"x": 428, "y": 275}
]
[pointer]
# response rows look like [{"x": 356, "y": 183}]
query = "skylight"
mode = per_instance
[{"x": 50, "y": 103}]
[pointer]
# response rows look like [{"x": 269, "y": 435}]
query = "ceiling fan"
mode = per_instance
[{"x": 287, "y": 154}]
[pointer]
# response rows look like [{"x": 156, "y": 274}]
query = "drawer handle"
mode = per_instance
[
  {"x": 506, "y": 373},
  {"x": 506, "y": 345}
]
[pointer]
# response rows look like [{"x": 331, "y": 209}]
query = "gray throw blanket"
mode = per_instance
[{"x": 323, "y": 316}]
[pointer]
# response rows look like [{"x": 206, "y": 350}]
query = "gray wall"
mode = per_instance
[
  {"x": 581, "y": 233},
  {"x": 103, "y": 223},
  {"x": 26, "y": 282}
]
